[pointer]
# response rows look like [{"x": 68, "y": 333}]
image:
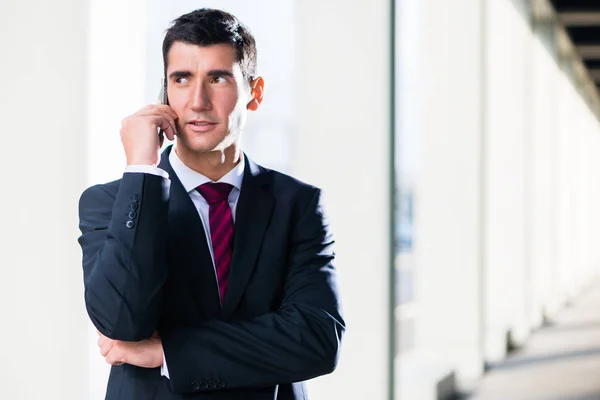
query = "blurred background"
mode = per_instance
[{"x": 457, "y": 143}]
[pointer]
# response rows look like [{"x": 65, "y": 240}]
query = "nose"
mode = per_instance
[{"x": 200, "y": 98}]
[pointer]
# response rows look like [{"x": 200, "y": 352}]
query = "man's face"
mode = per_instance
[{"x": 208, "y": 93}]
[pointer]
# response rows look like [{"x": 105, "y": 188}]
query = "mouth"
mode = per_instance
[{"x": 201, "y": 126}]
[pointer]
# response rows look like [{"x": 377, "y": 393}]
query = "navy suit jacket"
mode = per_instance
[{"x": 147, "y": 267}]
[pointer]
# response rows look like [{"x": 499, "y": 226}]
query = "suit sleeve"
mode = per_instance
[
  {"x": 299, "y": 341},
  {"x": 123, "y": 244}
]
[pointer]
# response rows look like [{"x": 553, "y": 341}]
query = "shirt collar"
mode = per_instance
[{"x": 191, "y": 179}]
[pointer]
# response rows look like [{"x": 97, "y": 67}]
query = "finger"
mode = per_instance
[
  {"x": 156, "y": 112},
  {"x": 152, "y": 109},
  {"x": 106, "y": 348},
  {"x": 111, "y": 358},
  {"x": 105, "y": 343},
  {"x": 103, "y": 339},
  {"x": 165, "y": 125},
  {"x": 171, "y": 121},
  {"x": 143, "y": 111},
  {"x": 166, "y": 108},
  {"x": 104, "y": 351},
  {"x": 115, "y": 355}
]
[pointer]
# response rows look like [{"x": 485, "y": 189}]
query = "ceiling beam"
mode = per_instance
[
  {"x": 595, "y": 75},
  {"x": 592, "y": 63},
  {"x": 585, "y": 35},
  {"x": 569, "y": 19},
  {"x": 589, "y": 51},
  {"x": 576, "y": 5}
]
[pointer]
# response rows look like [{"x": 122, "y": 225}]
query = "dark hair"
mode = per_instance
[{"x": 205, "y": 27}]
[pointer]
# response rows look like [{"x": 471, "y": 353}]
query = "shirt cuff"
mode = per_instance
[
  {"x": 147, "y": 169},
  {"x": 164, "y": 371}
]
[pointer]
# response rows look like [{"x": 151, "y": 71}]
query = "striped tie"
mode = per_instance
[{"x": 221, "y": 229}]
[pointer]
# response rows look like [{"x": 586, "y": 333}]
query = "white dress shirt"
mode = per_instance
[{"x": 190, "y": 180}]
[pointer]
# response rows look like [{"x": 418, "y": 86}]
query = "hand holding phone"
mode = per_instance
[{"x": 139, "y": 132}]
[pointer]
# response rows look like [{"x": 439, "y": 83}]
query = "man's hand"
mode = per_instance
[
  {"x": 146, "y": 353},
  {"x": 139, "y": 133}
]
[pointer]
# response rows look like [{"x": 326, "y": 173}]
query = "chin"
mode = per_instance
[{"x": 200, "y": 144}]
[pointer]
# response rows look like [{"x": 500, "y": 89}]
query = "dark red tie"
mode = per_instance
[{"x": 221, "y": 229}]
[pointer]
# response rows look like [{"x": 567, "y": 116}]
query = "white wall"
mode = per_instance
[
  {"x": 43, "y": 112},
  {"x": 448, "y": 204},
  {"x": 341, "y": 143}
]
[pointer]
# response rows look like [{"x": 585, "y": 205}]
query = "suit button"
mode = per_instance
[
  {"x": 130, "y": 224},
  {"x": 136, "y": 197},
  {"x": 204, "y": 385},
  {"x": 195, "y": 386},
  {"x": 132, "y": 215},
  {"x": 212, "y": 385},
  {"x": 134, "y": 206}
]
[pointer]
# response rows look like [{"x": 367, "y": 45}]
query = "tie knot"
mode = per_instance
[{"x": 215, "y": 192}]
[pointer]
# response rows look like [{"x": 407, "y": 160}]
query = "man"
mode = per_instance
[{"x": 207, "y": 275}]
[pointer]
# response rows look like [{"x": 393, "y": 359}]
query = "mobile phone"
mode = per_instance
[
  {"x": 163, "y": 92},
  {"x": 162, "y": 99}
]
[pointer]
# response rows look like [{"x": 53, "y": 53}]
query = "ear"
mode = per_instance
[{"x": 257, "y": 88}]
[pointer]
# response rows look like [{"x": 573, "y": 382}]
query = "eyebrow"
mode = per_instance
[
  {"x": 220, "y": 72},
  {"x": 187, "y": 74},
  {"x": 180, "y": 74}
]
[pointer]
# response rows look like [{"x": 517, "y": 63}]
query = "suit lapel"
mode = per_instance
[
  {"x": 253, "y": 215},
  {"x": 189, "y": 255}
]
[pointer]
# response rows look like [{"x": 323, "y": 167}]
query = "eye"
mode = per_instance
[
  {"x": 179, "y": 80},
  {"x": 219, "y": 79}
]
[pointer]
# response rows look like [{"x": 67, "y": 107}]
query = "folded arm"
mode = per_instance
[
  {"x": 123, "y": 243},
  {"x": 299, "y": 341}
]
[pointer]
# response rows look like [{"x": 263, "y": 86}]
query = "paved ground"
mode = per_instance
[{"x": 559, "y": 362}]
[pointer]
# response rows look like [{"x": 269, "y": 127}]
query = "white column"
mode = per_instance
[
  {"x": 43, "y": 164},
  {"x": 564, "y": 192},
  {"x": 507, "y": 59},
  {"x": 341, "y": 143},
  {"x": 542, "y": 175},
  {"x": 448, "y": 205}
]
